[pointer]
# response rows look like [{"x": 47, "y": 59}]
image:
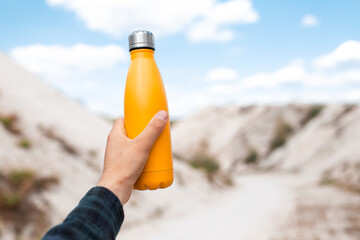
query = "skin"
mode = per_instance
[{"x": 125, "y": 158}]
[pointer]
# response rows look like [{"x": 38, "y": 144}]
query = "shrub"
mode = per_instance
[
  {"x": 311, "y": 113},
  {"x": 282, "y": 132},
  {"x": 17, "y": 209},
  {"x": 209, "y": 165},
  {"x": 206, "y": 163},
  {"x": 17, "y": 177},
  {"x": 24, "y": 143},
  {"x": 327, "y": 181},
  {"x": 9, "y": 122},
  {"x": 178, "y": 157},
  {"x": 228, "y": 181},
  {"x": 9, "y": 200},
  {"x": 251, "y": 157}
]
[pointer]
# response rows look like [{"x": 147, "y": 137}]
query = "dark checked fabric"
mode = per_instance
[{"x": 99, "y": 215}]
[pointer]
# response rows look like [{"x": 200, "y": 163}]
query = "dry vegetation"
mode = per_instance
[
  {"x": 210, "y": 166},
  {"x": 206, "y": 163},
  {"x": 282, "y": 132},
  {"x": 50, "y": 134},
  {"x": 329, "y": 212},
  {"x": 345, "y": 177},
  {"x": 202, "y": 160},
  {"x": 17, "y": 210},
  {"x": 252, "y": 157},
  {"x": 322, "y": 215},
  {"x": 24, "y": 143},
  {"x": 10, "y": 123},
  {"x": 312, "y": 112}
]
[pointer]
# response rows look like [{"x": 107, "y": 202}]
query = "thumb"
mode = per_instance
[{"x": 152, "y": 131}]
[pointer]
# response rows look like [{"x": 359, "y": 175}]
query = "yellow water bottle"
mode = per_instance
[{"x": 144, "y": 97}]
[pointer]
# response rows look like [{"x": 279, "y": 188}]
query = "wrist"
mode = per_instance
[{"x": 121, "y": 189}]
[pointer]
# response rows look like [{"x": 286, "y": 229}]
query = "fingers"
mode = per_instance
[{"x": 152, "y": 131}]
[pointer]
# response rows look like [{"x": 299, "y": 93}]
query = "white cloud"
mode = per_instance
[
  {"x": 347, "y": 52},
  {"x": 203, "y": 20},
  {"x": 274, "y": 98},
  {"x": 324, "y": 79},
  {"x": 221, "y": 74},
  {"x": 186, "y": 103},
  {"x": 309, "y": 21},
  {"x": 313, "y": 85},
  {"x": 50, "y": 61},
  {"x": 292, "y": 73},
  {"x": 352, "y": 95},
  {"x": 222, "y": 89},
  {"x": 231, "y": 12}
]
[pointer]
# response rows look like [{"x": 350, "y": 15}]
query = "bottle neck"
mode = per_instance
[{"x": 142, "y": 52}]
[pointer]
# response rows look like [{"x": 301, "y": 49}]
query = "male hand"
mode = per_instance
[{"x": 125, "y": 158}]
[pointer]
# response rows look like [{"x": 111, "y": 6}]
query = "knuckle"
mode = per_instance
[{"x": 156, "y": 124}]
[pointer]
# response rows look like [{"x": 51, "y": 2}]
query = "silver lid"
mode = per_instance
[{"x": 141, "y": 39}]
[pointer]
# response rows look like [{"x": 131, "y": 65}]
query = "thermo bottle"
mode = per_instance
[{"x": 144, "y": 97}]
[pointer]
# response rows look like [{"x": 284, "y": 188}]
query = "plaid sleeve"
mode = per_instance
[{"x": 99, "y": 215}]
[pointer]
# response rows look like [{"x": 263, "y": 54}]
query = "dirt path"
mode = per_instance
[{"x": 251, "y": 210}]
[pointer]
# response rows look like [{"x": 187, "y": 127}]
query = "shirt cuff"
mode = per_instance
[{"x": 102, "y": 209}]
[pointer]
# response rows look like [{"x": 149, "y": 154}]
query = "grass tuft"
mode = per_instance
[
  {"x": 252, "y": 157},
  {"x": 314, "y": 111},
  {"x": 206, "y": 163},
  {"x": 24, "y": 143},
  {"x": 9, "y": 200},
  {"x": 19, "y": 176},
  {"x": 10, "y": 123},
  {"x": 17, "y": 209},
  {"x": 282, "y": 132}
]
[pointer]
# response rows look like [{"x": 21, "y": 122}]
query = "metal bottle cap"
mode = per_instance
[{"x": 141, "y": 39}]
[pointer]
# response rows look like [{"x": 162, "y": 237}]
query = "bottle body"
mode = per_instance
[{"x": 144, "y": 97}]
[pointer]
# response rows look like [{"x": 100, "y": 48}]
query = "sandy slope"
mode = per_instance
[{"x": 40, "y": 107}]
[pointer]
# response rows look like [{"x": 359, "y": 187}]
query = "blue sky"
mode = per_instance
[{"x": 209, "y": 52}]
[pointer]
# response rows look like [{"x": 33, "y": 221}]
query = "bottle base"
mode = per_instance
[{"x": 154, "y": 180}]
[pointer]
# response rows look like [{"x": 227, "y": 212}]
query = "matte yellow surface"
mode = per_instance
[{"x": 144, "y": 97}]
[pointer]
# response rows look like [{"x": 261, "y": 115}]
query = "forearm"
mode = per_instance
[{"x": 99, "y": 215}]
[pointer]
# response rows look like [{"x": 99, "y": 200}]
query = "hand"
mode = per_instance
[{"x": 125, "y": 158}]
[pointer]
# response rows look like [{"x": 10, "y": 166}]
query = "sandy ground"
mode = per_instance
[
  {"x": 262, "y": 207},
  {"x": 253, "y": 209}
]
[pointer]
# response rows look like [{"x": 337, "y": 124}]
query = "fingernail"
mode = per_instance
[{"x": 163, "y": 115}]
